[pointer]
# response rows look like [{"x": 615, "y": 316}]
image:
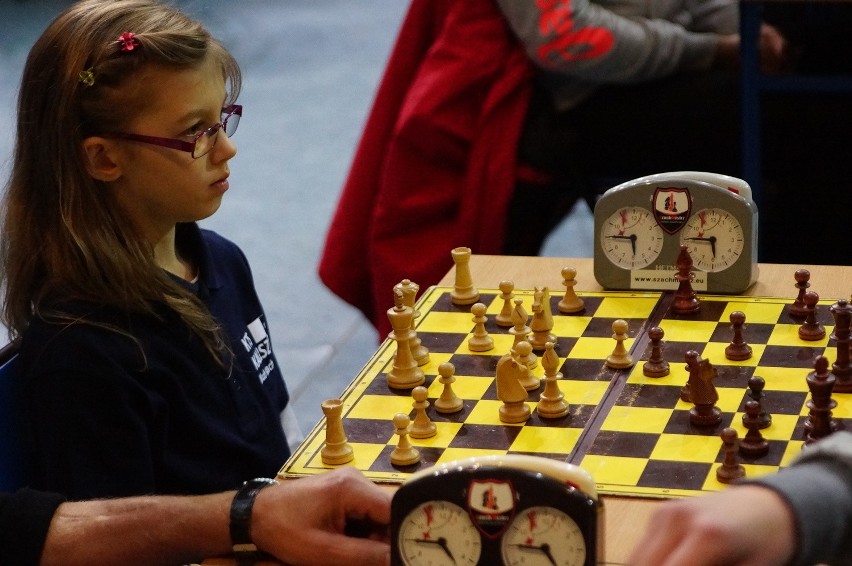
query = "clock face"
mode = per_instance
[
  {"x": 438, "y": 533},
  {"x": 714, "y": 239},
  {"x": 631, "y": 237},
  {"x": 546, "y": 536}
]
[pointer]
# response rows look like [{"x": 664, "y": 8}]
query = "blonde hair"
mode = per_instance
[{"x": 64, "y": 236}]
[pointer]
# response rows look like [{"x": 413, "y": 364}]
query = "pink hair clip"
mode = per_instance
[{"x": 127, "y": 41}]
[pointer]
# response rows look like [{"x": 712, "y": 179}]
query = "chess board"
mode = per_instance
[{"x": 631, "y": 432}]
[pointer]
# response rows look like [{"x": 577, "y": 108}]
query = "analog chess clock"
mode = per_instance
[
  {"x": 640, "y": 226},
  {"x": 510, "y": 510}
]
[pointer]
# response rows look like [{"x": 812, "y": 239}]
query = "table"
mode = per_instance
[{"x": 626, "y": 518}]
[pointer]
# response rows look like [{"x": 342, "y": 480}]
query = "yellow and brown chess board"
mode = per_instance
[{"x": 631, "y": 432}]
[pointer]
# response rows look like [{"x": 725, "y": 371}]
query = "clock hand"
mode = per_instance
[
  {"x": 631, "y": 237},
  {"x": 544, "y": 548},
  {"x": 440, "y": 541},
  {"x": 711, "y": 240}
]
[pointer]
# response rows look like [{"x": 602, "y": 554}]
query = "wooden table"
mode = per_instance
[{"x": 627, "y": 518}]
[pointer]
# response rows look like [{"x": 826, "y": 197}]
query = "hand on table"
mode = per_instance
[
  {"x": 742, "y": 525},
  {"x": 303, "y": 522}
]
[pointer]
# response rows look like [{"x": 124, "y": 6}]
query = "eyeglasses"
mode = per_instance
[{"x": 202, "y": 142}]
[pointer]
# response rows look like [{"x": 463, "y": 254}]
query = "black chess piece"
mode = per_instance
[
  {"x": 811, "y": 329},
  {"x": 821, "y": 384},
  {"x": 738, "y": 349},
  {"x": 656, "y": 366},
  {"x": 731, "y": 469},
  {"x": 755, "y": 391},
  {"x": 753, "y": 444}
]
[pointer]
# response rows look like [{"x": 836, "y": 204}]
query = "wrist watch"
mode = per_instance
[{"x": 245, "y": 550}]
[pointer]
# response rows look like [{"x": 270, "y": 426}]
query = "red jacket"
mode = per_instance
[{"x": 436, "y": 165}]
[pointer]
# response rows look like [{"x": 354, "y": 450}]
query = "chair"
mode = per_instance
[{"x": 11, "y": 449}]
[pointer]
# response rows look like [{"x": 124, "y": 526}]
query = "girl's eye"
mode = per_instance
[{"x": 194, "y": 130}]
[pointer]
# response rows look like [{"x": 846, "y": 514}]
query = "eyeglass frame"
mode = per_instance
[{"x": 189, "y": 146}]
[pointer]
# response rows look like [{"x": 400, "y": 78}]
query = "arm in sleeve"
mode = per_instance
[
  {"x": 586, "y": 41},
  {"x": 25, "y": 518},
  {"x": 818, "y": 488}
]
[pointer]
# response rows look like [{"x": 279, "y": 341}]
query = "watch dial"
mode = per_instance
[
  {"x": 546, "y": 536},
  {"x": 438, "y": 533},
  {"x": 714, "y": 239},
  {"x": 631, "y": 238}
]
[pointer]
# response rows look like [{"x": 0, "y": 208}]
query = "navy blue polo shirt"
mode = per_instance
[{"x": 119, "y": 403}]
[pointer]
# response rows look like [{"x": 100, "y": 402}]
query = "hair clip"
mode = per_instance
[
  {"x": 87, "y": 77},
  {"x": 127, "y": 41}
]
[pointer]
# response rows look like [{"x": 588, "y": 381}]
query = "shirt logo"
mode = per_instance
[{"x": 258, "y": 346}]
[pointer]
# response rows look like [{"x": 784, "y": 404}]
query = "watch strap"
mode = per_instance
[{"x": 241, "y": 506}]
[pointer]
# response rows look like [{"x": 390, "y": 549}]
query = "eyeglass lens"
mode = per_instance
[{"x": 205, "y": 142}]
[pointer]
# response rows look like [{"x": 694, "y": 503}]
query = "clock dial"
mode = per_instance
[
  {"x": 439, "y": 533},
  {"x": 546, "y": 536},
  {"x": 714, "y": 239},
  {"x": 631, "y": 237}
]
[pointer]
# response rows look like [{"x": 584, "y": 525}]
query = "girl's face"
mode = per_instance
[{"x": 160, "y": 186}]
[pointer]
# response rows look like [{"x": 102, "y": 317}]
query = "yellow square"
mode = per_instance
[
  {"x": 583, "y": 392},
  {"x": 794, "y": 448},
  {"x": 465, "y": 387},
  {"x": 454, "y": 322},
  {"x": 637, "y": 419},
  {"x": 570, "y": 326},
  {"x": 843, "y": 410},
  {"x": 444, "y": 434},
  {"x": 783, "y": 379},
  {"x": 546, "y": 439},
  {"x": 686, "y": 448},
  {"x": 617, "y": 470},
  {"x": 365, "y": 455},
  {"x": 757, "y": 311},
  {"x": 435, "y": 360},
  {"x": 788, "y": 335},
  {"x": 782, "y": 427},
  {"x": 729, "y": 399},
  {"x": 626, "y": 306},
  {"x": 379, "y": 407},
  {"x": 487, "y": 412},
  {"x": 594, "y": 348},
  {"x": 453, "y": 454}
]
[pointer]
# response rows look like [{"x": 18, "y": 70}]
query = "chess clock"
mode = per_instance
[
  {"x": 641, "y": 224},
  {"x": 490, "y": 510}
]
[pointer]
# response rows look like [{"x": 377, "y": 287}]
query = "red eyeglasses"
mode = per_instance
[{"x": 202, "y": 142}]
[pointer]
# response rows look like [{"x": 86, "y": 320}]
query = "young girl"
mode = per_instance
[{"x": 145, "y": 358}]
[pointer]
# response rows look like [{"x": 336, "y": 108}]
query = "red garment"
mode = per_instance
[{"x": 436, "y": 166}]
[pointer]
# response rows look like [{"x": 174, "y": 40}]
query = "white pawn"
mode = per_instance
[
  {"x": 422, "y": 427},
  {"x": 480, "y": 341},
  {"x": 523, "y": 353},
  {"x": 404, "y": 454},
  {"x": 448, "y": 402},
  {"x": 620, "y": 358},
  {"x": 506, "y": 294},
  {"x": 570, "y": 303}
]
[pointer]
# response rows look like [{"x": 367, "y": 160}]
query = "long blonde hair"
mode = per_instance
[{"x": 64, "y": 236}]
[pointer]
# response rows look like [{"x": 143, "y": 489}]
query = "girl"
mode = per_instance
[{"x": 145, "y": 355}]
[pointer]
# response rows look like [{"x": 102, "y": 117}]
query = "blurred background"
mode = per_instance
[{"x": 310, "y": 70}]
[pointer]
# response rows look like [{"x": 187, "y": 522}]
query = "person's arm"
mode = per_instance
[
  {"x": 801, "y": 515},
  {"x": 301, "y": 522}
]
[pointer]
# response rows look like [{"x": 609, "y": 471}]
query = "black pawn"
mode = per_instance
[
  {"x": 842, "y": 368},
  {"x": 738, "y": 349},
  {"x": 811, "y": 329},
  {"x": 798, "y": 310},
  {"x": 755, "y": 392},
  {"x": 685, "y": 300},
  {"x": 821, "y": 384},
  {"x": 731, "y": 469},
  {"x": 656, "y": 366},
  {"x": 753, "y": 444}
]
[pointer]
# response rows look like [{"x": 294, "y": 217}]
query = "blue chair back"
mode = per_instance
[{"x": 11, "y": 449}]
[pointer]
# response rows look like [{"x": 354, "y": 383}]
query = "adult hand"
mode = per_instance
[
  {"x": 774, "y": 56},
  {"x": 304, "y": 522},
  {"x": 741, "y": 525}
]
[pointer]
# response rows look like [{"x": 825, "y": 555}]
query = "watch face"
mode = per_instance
[
  {"x": 438, "y": 533},
  {"x": 714, "y": 239},
  {"x": 631, "y": 238},
  {"x": 546, "y": 536}
]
